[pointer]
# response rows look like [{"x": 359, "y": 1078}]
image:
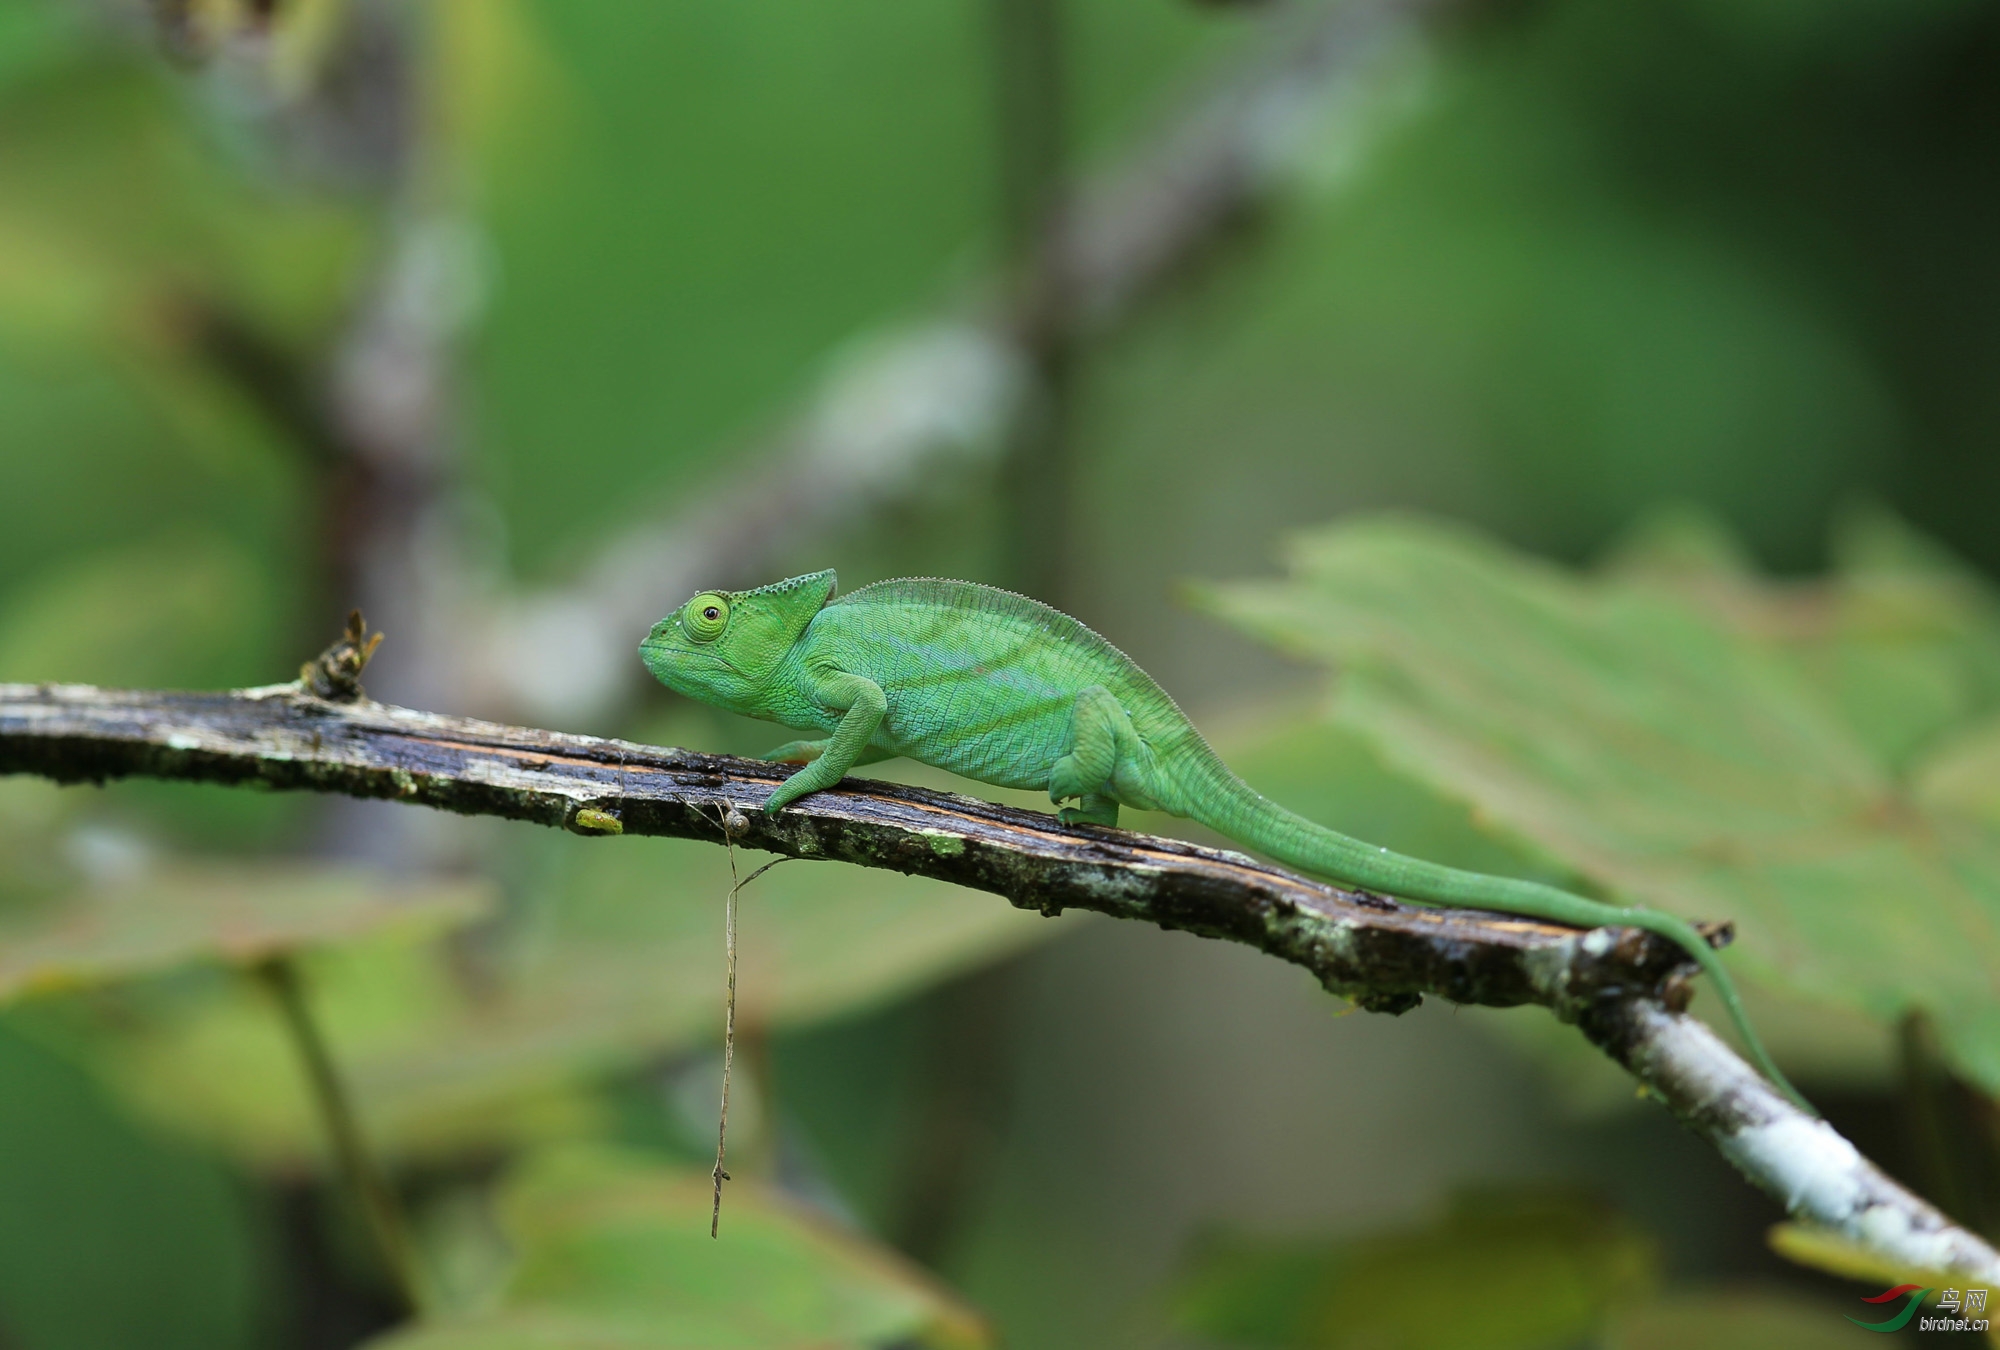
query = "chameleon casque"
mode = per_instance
[{"x": 1003, "y": 689}]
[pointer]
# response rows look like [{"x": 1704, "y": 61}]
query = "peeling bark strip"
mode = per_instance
[{"x": 1617, "y": 984}]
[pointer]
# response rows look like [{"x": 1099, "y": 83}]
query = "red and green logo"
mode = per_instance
[{"x": 1901, "y": 1319}]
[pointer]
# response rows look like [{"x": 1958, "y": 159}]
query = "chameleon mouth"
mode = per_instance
[{"x": 649, "y": 652}]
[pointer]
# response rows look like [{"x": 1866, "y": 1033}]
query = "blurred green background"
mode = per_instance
[{"x": 1667, "y": 329}]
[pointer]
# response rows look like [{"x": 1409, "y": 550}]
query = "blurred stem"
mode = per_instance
[
  {"x": 1031, "y": 128},
  {"x": 961, "y": 1114},
  {"x": 280, "y": 974},
  {"x": 1929, "y": 1103},
  {"x": 755, "y": 1037}
]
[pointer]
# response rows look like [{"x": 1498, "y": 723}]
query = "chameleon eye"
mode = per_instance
[{"x": 706, "y": 616}]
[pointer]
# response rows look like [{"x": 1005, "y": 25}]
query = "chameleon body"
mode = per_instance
[{"x": 1003, "y": 689}]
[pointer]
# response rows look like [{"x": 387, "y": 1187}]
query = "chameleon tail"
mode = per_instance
[{"x": 1226, "y": 803}]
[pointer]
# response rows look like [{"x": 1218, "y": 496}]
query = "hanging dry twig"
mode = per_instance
[{"x": 733, "y": 823}]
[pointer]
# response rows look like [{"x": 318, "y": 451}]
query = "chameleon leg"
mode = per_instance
[
  {"x": 865, "y": 705},
  {"x": 805, "y": 752},
  {"x": 1091, "y": 810},
  {"x": 1097, "y": 724}
]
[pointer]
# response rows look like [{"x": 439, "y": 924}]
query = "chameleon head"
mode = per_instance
[{"x": 721, "y": 646}]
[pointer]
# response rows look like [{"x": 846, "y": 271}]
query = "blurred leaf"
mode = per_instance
[
  {"x": 1739, "y": 1319},
  {"x": 184, "y": 607},
  {"x": 215, "y": 1062},
  {"x": 182, "y": 912},
  {"x": 109, "y": 164},
  {"x": 1327, "y": 771},
  {"x": 178, "y": 609},
  {"x": 661, "y": 296},
  {"x": 1918, "y": 627},
  {"x": 34, "y": 35},
  {"x": 644, "y": 918},
  {"x": 622, "y": 961},
  {"x": 502, "y": 99},
  {"x": 126, "y": 243},
  {"x": 1824, "y": 1250},
  {"x": 1665, "y": 750},
  {"x": 111, "y": 1236},
  {"x": 1963, "y": 774},
  {"x": 1833, "y": 1046},
  {"x": 1503, "y": 1271},
  {"x": 1903, "y": 641},
  {"x": 529, "y": 1329},
  {"x": 615, "y": 1252},
  {"x": 1683, "y": 545},
  {"x": 49, "y": 288}
]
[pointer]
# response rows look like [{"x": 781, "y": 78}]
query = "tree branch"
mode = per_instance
[{"x": 1622, "y": 987}]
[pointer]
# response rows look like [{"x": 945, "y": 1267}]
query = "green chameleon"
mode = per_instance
[{"x": 1005, "y": 690}]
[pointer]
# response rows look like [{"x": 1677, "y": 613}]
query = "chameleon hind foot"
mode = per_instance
[
  {"x": 1093, "y": 810},
  {"x": 1099, "y": 728},
  {"x": 1093, "y": 752}
]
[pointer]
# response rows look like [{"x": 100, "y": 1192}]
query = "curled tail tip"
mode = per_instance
[
  {"x": 1766, "y": 1067},
  {"x": 1699, "y": 943}
]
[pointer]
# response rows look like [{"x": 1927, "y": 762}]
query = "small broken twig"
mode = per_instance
[{"x": 335, "y": 674}]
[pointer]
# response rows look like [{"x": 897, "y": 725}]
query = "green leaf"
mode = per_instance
[
  {"x": 619, "y": 960},
  {"x": 639, "y": 922},
  {"x": 403, "y": 1024},
  {"x": 113, "y": 1236},
  {"x": 1962, "y": 775},
  {"x": 1834, "y": 1046},
  {"x": 128, "y": 246},
  {"x": 530, "y": 1329},
  {"x": 662, "y": 266},
  {"x": 1677, "y": 745},
  {"x": 615, "y": 1252},
  {"x": 182, "y": 912},
  {"x": 1738, "y": 1319},
  {"x": 183, "y": 608},
  {"x": 1904, "y": 642},
  {"x": 1837, "y": 1254},
  {"x": 1499, "y": 1271},
  {"x": 108, "y": 170},
  {"x": 1326, "y": 771},
  {"x": 34, "y": 35}
]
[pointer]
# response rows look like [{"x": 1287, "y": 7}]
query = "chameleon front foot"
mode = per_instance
[
  {"x": 780, "y": 798},
  {"x": 805, "y": 752}
]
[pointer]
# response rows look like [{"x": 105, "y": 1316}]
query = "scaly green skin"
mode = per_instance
[{"x": 1003, "y": 689}]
